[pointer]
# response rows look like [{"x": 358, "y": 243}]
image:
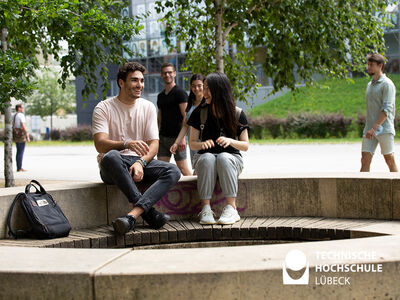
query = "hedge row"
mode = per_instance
[
  {"x": 302, "y": 125},
  {"x": 74, "y": 134},
  {"x": 307, "y": 125}
]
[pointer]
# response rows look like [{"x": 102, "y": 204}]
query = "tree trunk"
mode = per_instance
[
  {"x": 219, "y": 41},
  {"x": 51, "y": 118},
  {"x": 8, "y": 161}
]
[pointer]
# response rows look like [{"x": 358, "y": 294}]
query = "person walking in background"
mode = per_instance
[
  {"x": 126, "y": 136},
  {"x": 171, "y": 102},
  {"x": 195, "y": 99},
  {"x": 219, "y": 138},
  {"x": 20, "y": 135},
  {"x": 379, "y": 122}
]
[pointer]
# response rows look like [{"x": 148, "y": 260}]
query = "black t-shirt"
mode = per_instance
[
  {"x": 171, "y": 117},
  {"x": 212, "y": 131}
]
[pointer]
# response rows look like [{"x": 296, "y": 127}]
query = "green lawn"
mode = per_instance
[{"x": 327, "y": 96}]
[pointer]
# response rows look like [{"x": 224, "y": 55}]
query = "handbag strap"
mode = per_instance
[
  {"x": 13, "y": 123},
  {"x": 11, "y": 233}
]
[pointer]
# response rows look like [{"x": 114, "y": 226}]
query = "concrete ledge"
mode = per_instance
[
  {"x": 248, "y": 272},
  {"x": 351, "y": 195},
  {"x": 315, "y": 206}
]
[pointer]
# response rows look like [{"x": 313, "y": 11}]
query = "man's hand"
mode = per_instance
[
  {"x": 173, "y": 148},
  {"x": 27, "y": 138},
  {"x": 207, "y": 144},
  {"x": 223, "y": 141},
  {"x": 182, "y": 145},
  {"x": 370, "y": 134},
  {"x": 140, "y": 147},
  {"x": 136, "y": 171}
]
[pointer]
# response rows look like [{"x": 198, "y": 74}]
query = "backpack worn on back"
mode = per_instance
[
  {"x": 44, "y": 215},
  {"x": 204, "y": 115}
]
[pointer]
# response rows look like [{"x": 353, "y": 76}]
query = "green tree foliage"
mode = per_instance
[
  {"x": 88, "y": 27},
  {"x": 50, "y": 97},
  {"x": 297, "y": 38},
  {"x": 93, "y": 29}
]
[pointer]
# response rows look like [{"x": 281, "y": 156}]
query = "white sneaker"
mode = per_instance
[
  {"x": 207, "y": 215},
  {"x": 229, "y": 216}
]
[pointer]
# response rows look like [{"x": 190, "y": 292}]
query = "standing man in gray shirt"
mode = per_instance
[{"x": 379, "y": 125}]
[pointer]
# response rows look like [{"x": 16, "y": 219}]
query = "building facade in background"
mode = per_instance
[{"x": 151, "y": 51}]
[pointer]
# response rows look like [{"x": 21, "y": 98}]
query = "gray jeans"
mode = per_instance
[
  {"x": 114, "y": 169},
  {"x": 225, "y": 166}
]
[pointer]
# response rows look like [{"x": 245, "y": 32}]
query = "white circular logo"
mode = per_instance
[{"x": 295, "y": 260}]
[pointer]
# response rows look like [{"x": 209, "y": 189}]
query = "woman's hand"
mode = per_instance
[
  {"x": 224, "y": 141},
  {"x": 207, "y": 144}
]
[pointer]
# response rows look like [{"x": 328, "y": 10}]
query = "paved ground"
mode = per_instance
[{"x": 78, "y": 163}]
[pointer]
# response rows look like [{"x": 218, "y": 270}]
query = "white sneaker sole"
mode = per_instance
[
  {"x": 227, "y": 223},
  {"x": 207, "y": 223}
]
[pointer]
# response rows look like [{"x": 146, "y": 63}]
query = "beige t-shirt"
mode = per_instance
[{"x": 121, "y": 121}]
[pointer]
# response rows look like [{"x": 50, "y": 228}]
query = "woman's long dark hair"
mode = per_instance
[
  {"x": 192, "y": 96},
  {"x": 222, "y": 102}
]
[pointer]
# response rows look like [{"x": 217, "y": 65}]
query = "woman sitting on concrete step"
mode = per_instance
[{"x": 219, "y": 132}]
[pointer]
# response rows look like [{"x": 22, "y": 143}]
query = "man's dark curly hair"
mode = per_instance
[{"x": 127, "y": 68}]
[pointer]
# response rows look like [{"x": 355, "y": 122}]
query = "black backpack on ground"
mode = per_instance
[{"x": 45, "y": 217}]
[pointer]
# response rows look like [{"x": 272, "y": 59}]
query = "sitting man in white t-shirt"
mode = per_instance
[{"x": 126, "y": 136}]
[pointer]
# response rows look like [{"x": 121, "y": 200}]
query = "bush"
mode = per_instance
[
  {"x": 360, "y": 124},
  {"x": 337, "y": 125},
  {"x": 397, "y": 122},
  {"x": 273, "y": 125},
  {"x": 54, "y": 135},
  {"x": 301, "y": 125},
  {"x": 256, "y": 127},
  {"x": 77, "y": 134},
  {"x": 307, "y": 125}
]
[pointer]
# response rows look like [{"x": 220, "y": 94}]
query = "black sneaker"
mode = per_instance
[
  {"x": 124, "y": 224},
  {"x": 155, "y": 219}
]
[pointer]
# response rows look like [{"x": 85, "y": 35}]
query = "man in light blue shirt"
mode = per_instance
[{"x": 379, "y": 125}]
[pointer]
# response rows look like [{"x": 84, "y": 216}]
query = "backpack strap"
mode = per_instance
[
  {"x": 203, "y": 119},
  {"x": 11, "y": 233},
  {"x": 204, "y": 115},
  {"x": 238, "y": 112}
]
